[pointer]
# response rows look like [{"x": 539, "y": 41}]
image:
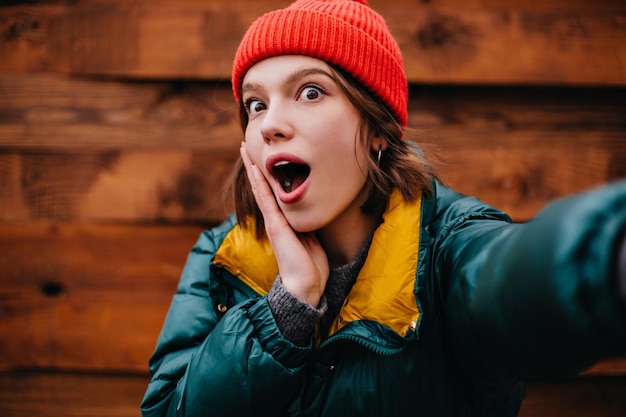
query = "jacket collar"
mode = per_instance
[{"x": 384, "y": 289}]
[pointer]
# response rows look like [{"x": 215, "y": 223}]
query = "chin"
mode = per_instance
[
  {"x": 303, "y": 225},
  {"x": 303, "y": 228}
]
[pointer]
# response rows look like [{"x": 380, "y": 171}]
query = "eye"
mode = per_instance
[
  {"x": 311, "y": 93},
  {"x": 254, "y": 106}
]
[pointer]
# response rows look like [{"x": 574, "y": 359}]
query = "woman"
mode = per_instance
[{"x": 351, "y": 281}]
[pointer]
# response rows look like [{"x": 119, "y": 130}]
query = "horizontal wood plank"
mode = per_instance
[
  {"x": 50, "y": 394},
  {"x": 559, "y": 5},
  {"x": 183, "y": 186},
  {"x": 443, "y": 42},
  {"x": 608, "y": 367},
  {"x": 86, "y": 296},
  {"x": 57, "y": 112},
  {"x": 129, "y": 186},
  {"x": 580, "y": 397},
  {"x": 93, "y": 297}
]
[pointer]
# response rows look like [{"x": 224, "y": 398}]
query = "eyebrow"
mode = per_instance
[
  {"x": 298, "y": 75},
  {"x": 291, "y": 78},
  {"x": 250, "y": 87}
]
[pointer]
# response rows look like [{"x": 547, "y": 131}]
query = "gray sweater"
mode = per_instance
[{"x": 296, "y": 319}]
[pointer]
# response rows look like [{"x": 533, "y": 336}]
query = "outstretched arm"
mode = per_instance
[{"x": 540, "y": 299}]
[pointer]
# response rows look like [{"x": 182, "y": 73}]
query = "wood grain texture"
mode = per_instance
[
  {"x": 580, "y": 397},
  {"x": 55, "y": 112},
  {"x": 186, "y": 186},
  {"x": 130, "y": 186},
  {"x": 88, "y": 296},
  {"x": 93, "y": 297},
  {"x": 118, "y": 132},
  {"x": 615, "y": 367},
  {"x": 50, "y": 394},
  {"x": 450, "y": 42},
  {"x": 102, "y": 150}
]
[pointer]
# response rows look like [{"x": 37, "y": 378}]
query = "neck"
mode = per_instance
[{"x": 343, "y": 239}]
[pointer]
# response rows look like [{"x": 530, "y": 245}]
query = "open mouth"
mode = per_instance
[{"x": 290, "y": 175}]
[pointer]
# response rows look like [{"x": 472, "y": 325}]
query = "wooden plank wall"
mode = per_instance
[{"x": 118, "y": 130}]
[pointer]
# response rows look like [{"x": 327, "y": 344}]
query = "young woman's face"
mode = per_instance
[{"x": 303, "y": 133}]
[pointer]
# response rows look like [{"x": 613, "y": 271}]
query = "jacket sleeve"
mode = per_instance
[
  {"x": 236, "y": 365},
  {"x": 535, "y": 300}
]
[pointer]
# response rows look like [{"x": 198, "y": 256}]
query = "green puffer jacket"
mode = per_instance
[{"x": 454, "y": 307}]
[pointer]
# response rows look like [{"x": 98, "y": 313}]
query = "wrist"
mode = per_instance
[
  {"x": 295, "y": 318},
  {"x": 310, "y": 294}
]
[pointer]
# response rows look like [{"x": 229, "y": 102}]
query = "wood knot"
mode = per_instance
[
  {"x": 52, "y": 289},
  {"x": 441, "y": 31},
  {"x": 24, "y": 27},
  {"x": 446, "y": 42}
]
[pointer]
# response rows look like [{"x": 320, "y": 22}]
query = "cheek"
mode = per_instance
[
  {"x": 345, "y": 166},
  {"x": 348, "y": 152}
]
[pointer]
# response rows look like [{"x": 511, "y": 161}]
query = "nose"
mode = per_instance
[{"x": 277, "y": 124}]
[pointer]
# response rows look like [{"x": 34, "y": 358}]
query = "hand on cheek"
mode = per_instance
[{"x": 302, "y": 262}]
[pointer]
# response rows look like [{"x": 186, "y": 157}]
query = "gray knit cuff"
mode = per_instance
[{"x": 295, "y": 318}]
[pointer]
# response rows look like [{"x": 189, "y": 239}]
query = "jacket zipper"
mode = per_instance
[{"x": 379, "y": 350}]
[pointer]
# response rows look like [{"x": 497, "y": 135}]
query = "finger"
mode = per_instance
[
  {"x": 263, "y": 195},
  {"x": 260, "y": 188},
  {"x": 249, "y": 164}
]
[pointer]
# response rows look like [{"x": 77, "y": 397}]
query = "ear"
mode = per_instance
[{"x": 379, "y": 144}]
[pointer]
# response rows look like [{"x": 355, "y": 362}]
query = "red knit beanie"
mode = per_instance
[{"x": 347, "y": 34}]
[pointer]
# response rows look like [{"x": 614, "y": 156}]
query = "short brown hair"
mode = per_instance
[{"x": 402, "y": 165}]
